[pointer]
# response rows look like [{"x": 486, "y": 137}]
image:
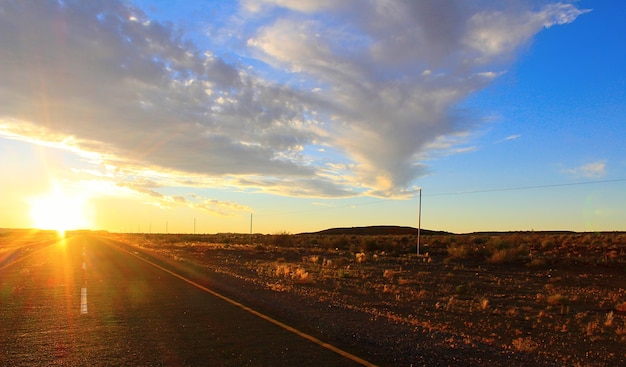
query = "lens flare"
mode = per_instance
[{"x": 59, "y": 210}]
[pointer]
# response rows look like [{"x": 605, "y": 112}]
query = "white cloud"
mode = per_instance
[
  {"x": 589, "y": 170},
  {"x": 149, "y": 189},
  {"x": 393, "y": 72},
  {"x": 222, "y": 208},
  {"x": 497, "y": 33},
  {"x": 377, "y": 82},
  {"x": 307, "y": 6},
  {"x": 330, "y": 205},
  {"x": 509, "y": 138}
]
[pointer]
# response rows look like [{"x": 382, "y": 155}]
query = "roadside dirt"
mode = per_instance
[{"x": 18, "y": 243}]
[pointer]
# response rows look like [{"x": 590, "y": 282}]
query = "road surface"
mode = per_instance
[{"x": 84, "y": 302}]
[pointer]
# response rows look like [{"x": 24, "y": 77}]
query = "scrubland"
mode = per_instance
[{"x": 559, "y": 296}]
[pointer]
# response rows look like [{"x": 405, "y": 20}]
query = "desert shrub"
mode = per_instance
[
  {"x": 621, "y": 307},
  {"x": 301, "y": 274},
  {"x": 512, "y": 312},
  {"x": 560, "y": 300},
  {"x": 341, "y": 262},
  {"x": 538, "y": 263},
  {"x": 282, "y": 270},
  {"x": 326, "y": 242},
  {"x": 370, "y": 244},
  {"x": 459, "y": 251},
  {"x": 502, "y": 257},
  {"x": 390, "y": 273},
  {"x": 588, "y": 239},
  {"x": 479, "y": 240},
  {"x": 286, "y": 271},
  {"x": 282, "y": 239},
  {"x": 394, "y": 247},
  {"x": 547, "y": 244},
  {"x": 222, "y": 238},
  {"x": 341, "y": 243},
  {"x": 497, "y": 243},
  {"x": 436, "y": 242},
  {"x": 525, "y": 344},
  {"x": 343, "y": 273},
  {"x": 508, "y": 255},
  {"x": 405, "y": 281},
  {"x": 460, "y": 289}
]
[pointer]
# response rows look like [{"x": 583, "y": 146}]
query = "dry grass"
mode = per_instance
[
  {"x": 547, "y": 294},
  {"x": 525, "y": 344}
]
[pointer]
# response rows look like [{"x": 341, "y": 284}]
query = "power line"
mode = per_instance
[
  {"x": 503, "y": 189},
  {"x": 529, "y": 187}
]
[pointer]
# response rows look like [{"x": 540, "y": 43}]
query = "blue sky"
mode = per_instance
[{"x": 150, "y": 115}]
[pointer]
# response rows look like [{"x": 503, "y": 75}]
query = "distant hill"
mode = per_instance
[{"x": 377, "y": 231}]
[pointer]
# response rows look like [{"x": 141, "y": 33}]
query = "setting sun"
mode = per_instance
[{"x": 59, "y": 211}]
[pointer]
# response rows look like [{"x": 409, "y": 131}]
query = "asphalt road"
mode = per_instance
[{"x": 83, "y": 302}]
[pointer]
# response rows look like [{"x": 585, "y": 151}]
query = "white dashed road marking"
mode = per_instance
[
  {"x": 83, "y": 290},
  {"x": 83, "y": 301}
]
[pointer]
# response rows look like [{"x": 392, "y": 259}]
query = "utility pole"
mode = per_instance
[
  {"x": 250, "y": 229},
  {"x": 194, "y": 225},
  {"x": 419, "y": 221}
]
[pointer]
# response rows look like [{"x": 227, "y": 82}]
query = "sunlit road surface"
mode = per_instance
[{"x": 82, "y": 302}]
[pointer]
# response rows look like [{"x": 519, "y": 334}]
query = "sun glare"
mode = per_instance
[{"x": 59, "y": 211}]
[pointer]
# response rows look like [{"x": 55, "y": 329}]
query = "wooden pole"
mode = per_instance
[
  {"x": 250, "y": 229},
  {"x": 419, "y": 222}
]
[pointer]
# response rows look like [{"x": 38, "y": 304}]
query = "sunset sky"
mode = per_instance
[{"x": 155, "y": 116}]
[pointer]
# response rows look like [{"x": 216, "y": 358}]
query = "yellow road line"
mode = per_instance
[{"x": 311, "y": 338}]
